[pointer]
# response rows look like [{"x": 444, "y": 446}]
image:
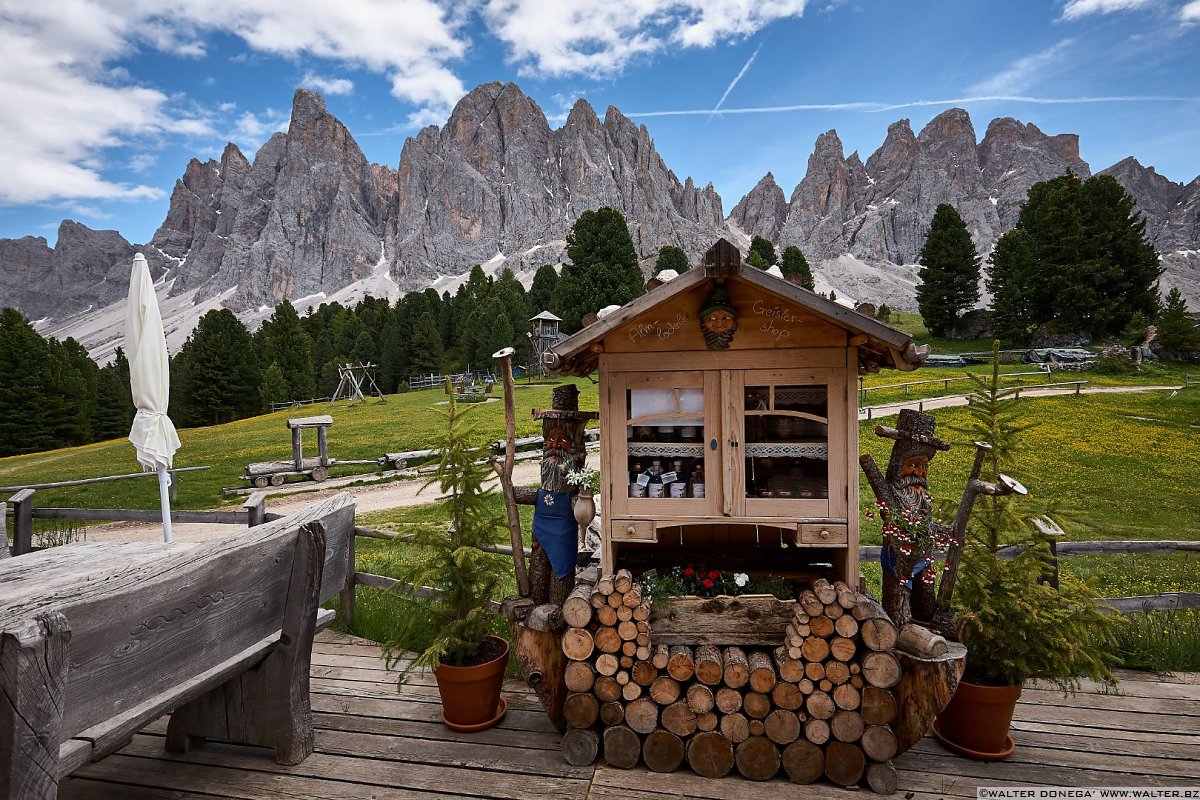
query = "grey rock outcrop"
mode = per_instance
[
  {"x": 497, "y": 180},
  {"x": 762, "y": 209},
  {"x": 1015, "y": 156},
  {"x": 309, "y": 215}
]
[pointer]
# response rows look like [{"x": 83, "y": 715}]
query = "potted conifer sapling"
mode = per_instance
[
  {"x": 449, "y": 628},
  {"x": 1020, "y": 626}
]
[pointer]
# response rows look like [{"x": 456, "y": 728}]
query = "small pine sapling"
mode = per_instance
[
  {"x": 449, "y": 624},
  {"x": 1021, "y": 626}
]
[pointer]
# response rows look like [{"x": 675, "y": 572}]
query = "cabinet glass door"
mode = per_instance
[
  {"x": 783, "y": 452},
  {"x": 667, "y": 442}
]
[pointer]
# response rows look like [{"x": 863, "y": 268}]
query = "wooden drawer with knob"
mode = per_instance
[
  {"x": 820, "y": 533},
  {"x": 634, "y": 530}
]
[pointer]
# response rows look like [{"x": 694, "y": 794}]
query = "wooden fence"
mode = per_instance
[
  {"x": 23, "y": 512},
  {"x": 21, "y": 509}
]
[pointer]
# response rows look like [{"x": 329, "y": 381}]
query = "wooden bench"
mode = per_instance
[{"x": 100, "y": 638}]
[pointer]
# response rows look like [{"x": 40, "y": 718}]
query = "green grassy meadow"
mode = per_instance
[
  {"x": 364, "y": 431},
  {"x": 1126, "y": 463}
]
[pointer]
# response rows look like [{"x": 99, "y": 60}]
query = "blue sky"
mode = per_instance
[{"x": 102, "y": 102}]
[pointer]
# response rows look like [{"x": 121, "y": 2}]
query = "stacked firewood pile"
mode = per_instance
[{"x": 818, "y": 705}]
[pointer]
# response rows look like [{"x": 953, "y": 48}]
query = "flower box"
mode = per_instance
[{"x": 748, "y": 619}]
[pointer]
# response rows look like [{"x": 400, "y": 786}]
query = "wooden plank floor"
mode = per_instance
[{"x": 372, "y": 742}]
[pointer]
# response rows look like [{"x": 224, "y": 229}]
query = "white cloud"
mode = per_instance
[
  {"x": 327, "y": 85},
  {"x": 1190, "y": 13},
  {"x": 1074, "y": 9},
  {"x": 63, "y": 105},
  {"x": 142, "y": 162},
  {"x": 1024, "y": 72},
  {"x": 601, "y": 37}
]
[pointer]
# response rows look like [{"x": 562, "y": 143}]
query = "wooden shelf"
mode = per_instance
[{"x": 667, "y": 449}]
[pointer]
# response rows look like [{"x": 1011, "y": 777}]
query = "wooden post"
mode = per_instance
[
  {"x": 22, "y": 503},
  {"x": 33, "y": 674},
  {"x": 510, "y": 449},
  {"x": 323, "y": 444},
  {"x": 4, "y": 552},
  {"x": 346, "y": 597},
  {"x": 256, "y": 509},
  {"x": 297, "y": 458}
]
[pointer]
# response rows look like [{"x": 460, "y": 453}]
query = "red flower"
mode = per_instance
[
  {"x": 714, "y": 574},
  {"x": 689, "y": 572},
  {"x": 708, "y": 584}
]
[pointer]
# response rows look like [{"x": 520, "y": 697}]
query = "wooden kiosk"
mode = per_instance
[{"x": 729, "y": 421}]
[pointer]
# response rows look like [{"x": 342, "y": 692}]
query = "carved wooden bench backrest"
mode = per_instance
[{"x": 141, "y": 631}]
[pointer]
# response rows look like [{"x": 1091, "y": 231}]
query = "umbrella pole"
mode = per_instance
[{"x": 163, "y": 482}]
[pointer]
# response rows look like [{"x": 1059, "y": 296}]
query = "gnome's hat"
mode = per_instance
[
  {"x": 916, "y": 427},
  {"x": 718, "y": 300}
]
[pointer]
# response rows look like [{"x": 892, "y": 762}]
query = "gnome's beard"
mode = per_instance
[
  {"x": 719, "y": 341},
  {"x": 555, "y": 463},
  {"x": 913, "y": 493}
]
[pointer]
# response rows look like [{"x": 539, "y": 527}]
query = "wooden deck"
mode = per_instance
[{"x": 374, "y": 743}]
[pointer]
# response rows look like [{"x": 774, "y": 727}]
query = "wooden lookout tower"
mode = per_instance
[{"x": 543, "y": 335}]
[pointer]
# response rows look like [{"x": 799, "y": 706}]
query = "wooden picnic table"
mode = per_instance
[{"x": 99, "y": 638}]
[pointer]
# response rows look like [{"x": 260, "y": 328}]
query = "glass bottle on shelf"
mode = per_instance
[
  {"x": 698, "y": 480},
  {"x": 636, "y": 487},
  {"x": 655, "y": 487},
  {"x": 689, "y": 433},
  {"x": 678, "y": 487}
]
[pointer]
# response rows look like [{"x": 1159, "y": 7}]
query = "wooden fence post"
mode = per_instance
[
  {"x": 4, "y": 551},
  {"x": 256, "y": 509},
  {"x": 346, "y": 601},
  {"x": 22, "y": 503}
]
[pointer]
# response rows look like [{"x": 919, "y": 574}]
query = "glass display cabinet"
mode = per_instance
[{"x": 729, "y": 425}]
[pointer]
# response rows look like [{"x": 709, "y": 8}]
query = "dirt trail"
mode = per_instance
[{"x": 398, "y": 494}]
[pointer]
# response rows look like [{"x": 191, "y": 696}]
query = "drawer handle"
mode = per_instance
[
  {"x": 824, "y": 534},
  {"x": 631, "y": 530}
]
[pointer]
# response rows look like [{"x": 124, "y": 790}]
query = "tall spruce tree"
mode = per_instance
[
  {"x": 541, "y": 291},
  {"x": 285, "y": 343},
  {"x": 24, "y": 363},
  {"x": 215, "y": 376},
  {"x": 950, "y": 271},
  {"x": 274, "y": 388},
  {"x": 795, "y": 267},
  {"x": 114, "y": 411},
  {"x": 1013, "y": 268},
  {"x": 427, "y": 351},
  {"x": 1094, "y": 267},
  {"x": 1176, "y": 332},
  {"x": 765, "y": 251},
  {"x": 603, "y": 270},
  {"x": 671, "y": 257}
]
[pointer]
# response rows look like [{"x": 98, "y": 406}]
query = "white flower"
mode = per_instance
[{"x": 741, "y": 579}]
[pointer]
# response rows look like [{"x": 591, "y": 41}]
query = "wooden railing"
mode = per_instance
[
  {"x": 23, "y": 512},
  {"x": 1167, "y": 601}
]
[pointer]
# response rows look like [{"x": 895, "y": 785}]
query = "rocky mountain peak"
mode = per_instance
[
  {"x": 582, "y": 117},
  {"x": 763, "y": 210},
  {"x": 1156, "y": 196}
]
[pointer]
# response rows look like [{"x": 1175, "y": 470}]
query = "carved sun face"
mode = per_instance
[{"x": 719, "y": 321}]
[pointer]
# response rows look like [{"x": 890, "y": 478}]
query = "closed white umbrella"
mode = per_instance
[{"x": 153, "y": 433}]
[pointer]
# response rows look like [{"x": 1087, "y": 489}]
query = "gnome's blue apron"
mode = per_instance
[{"x": 556, "y": 530}]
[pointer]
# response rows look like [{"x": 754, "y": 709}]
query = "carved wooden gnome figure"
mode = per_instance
[{"x": 905, "y": 505}]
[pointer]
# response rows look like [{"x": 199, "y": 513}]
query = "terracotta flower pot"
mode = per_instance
[
  {"x": 975, "y": 723},
  {"x": 471, "y": 695}
]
